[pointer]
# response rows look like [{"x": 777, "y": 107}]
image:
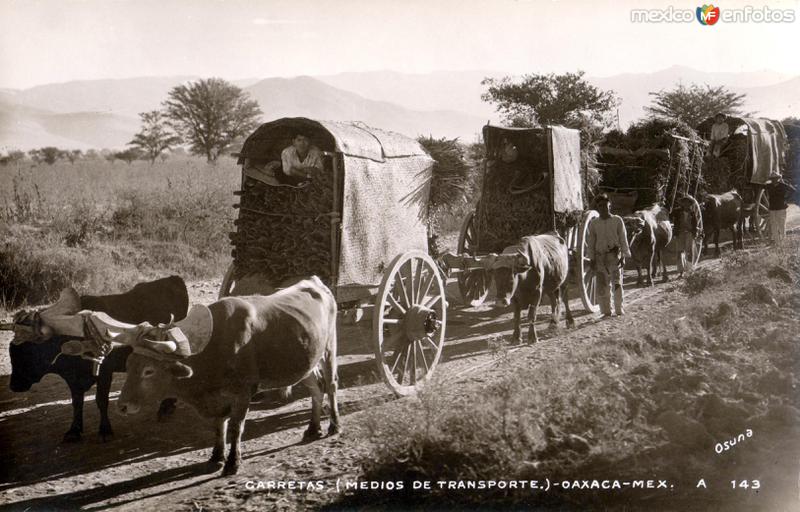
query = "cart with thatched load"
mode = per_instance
[
  {"x": 532, "y": 184},
  {"x": 655, "y": 161},
  {"x": 652, "y": 163},
  {"x": 754, "y": 151},
  {"x": 360, "y": 225}
]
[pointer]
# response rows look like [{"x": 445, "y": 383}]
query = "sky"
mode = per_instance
[{"x": 49, "y": 41}]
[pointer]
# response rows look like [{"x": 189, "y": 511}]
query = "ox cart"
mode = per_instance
[
  {"x": 754, "y": 150},
  {"x": 657, "y": 162},
  {"x": 360, "y": 225},
  {"x": 532, "y": 184}
]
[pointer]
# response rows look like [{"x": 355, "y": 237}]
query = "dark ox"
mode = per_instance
[
  {"x": 649, "y": 232},
  {"x": 270, "y": 342},
  {"x": 723, "y": 211},
  {"x": 154, "y": 302},
  {"x": 524, "y": 271}
]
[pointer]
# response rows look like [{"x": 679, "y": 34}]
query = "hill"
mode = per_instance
[
  {"x": 103, "y": 113},
  {"x": 308, "y": 97}
]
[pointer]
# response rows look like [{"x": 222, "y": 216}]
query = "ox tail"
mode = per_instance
[
  {"x": 330, "y": 370},
  {"x": 330, "y": 374}
]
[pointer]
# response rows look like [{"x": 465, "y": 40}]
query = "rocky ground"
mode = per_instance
[{"x": 150, "y": 465}]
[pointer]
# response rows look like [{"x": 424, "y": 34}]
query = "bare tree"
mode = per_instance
[
  {"x": 155, "y": 136},
  {"x": 210, "y": 114}
]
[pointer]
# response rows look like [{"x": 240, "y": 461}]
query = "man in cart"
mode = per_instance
[
  {"x": 297, "y": 166},
  {"x": 302, "y": 159},
  {"x": 719, "y": 134},
  {"x": 608, "y": 248}
]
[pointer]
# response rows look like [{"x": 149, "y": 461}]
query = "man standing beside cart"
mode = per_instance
[
  {"x": 779, "y": 192},
  {"x": 608, "y": 248}
]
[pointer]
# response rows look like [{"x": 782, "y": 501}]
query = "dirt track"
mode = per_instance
[{"x": 150, "y": 465}]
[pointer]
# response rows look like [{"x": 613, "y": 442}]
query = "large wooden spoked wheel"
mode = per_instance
[
  {"x": 409, "y": 322},
  {"x": 473, "y": 285},
  {"x": 760, "y": 217},
  {"x": 587, "y": 281},
  {"x": 227, "y": 282}
]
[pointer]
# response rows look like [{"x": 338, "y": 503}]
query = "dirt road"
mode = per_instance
[{"x": 151, "y": 465}]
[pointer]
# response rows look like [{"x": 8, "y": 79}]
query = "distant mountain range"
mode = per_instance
[{"x": 103, "y": 113}]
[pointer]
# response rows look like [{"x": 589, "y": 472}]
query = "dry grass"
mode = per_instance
[
  {"x": 650, "y": 403},
  {"x": 100, "y": 226}
]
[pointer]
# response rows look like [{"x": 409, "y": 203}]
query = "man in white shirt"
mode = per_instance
[
  {"x": 608, "y": 248},
  {"x": 301, "y": 159},
  {"x": 719, "y": 134}
]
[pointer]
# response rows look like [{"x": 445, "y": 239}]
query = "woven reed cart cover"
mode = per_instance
[
  {"x": 532, "y": 184},
  {"x": 361, "y": 227}
]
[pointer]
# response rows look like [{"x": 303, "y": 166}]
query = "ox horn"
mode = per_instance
[
  {"x": 68, "y": 303},
  {"x": 163, "y": 347}
]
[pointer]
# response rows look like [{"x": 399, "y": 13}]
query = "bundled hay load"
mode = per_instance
[
  {"x": 278, "y": 246},
  {"x": 643, "y": 162},
  {"x": 533, "y": 183},
  {"x": 451, "y": 173},
  {"x": 516, "y": 194}
]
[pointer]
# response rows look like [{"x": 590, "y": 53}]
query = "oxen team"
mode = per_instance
[
  {"x": 213, "y": 358},
  {"x": 216, "y": 358},
  {"x": 540, "y": 265}
]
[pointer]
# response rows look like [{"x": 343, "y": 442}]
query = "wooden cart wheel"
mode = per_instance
[
  {"x": 473, "y": 285},
  {"x": 760, "y": 216},
  {"x": 586, "y": 278},
  {"x": 227, "y": 282},
  {"x": 409, "y": 322}
]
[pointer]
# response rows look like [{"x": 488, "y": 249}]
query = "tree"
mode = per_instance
[
  {"x": 210, "y": 114},
  {"x": 13, "y": 156},
  {"x": 155, "y": 136},
  {"x": 566, "y": 99},
  {"x": 128, "y": 156},
  {"x": 695, "y": 103},
  {"x": 49, "y": 155},
  {"x": 72, "y": 155}
]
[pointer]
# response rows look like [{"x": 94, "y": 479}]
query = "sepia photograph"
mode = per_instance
[{"x": 367, "y": 255}]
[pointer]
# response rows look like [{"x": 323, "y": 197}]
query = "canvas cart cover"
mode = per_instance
[
  {"x": 565, "y": 151},
  {"x": 767, "y": 139}
]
